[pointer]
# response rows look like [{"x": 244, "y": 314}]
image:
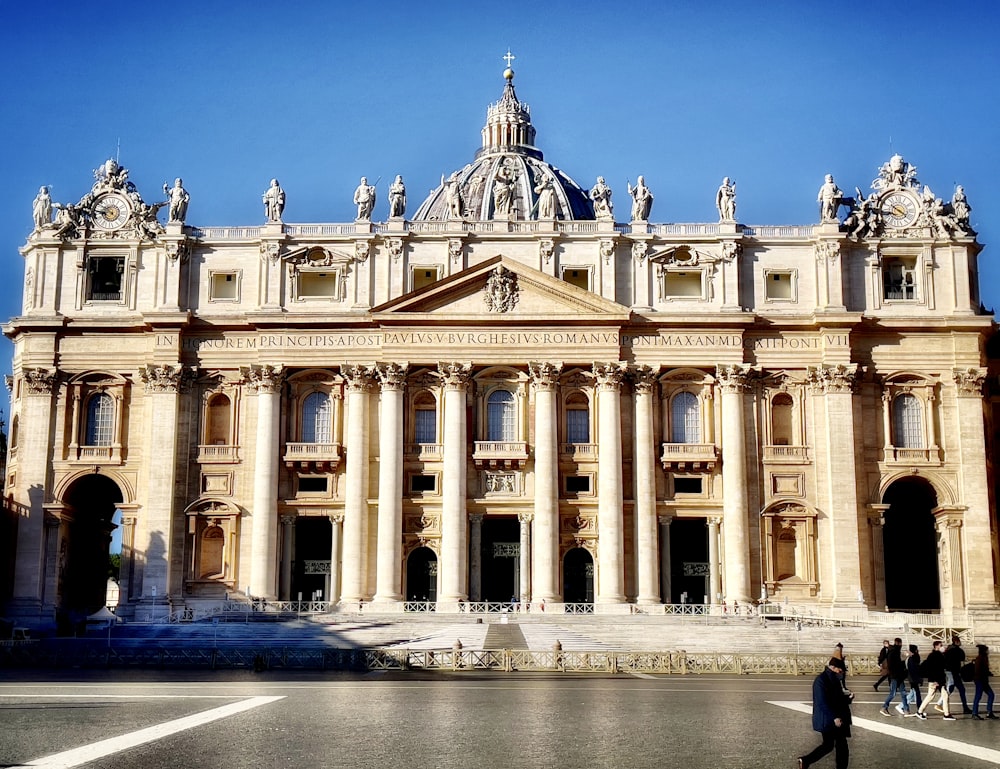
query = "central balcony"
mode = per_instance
[
  {"x": 685, "y": 457},
  {"x": 312, "y": 456},
  {"x": 507, "y": 454}
]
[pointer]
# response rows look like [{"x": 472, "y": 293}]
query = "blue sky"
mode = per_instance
[{"x": 228, "y": 95}]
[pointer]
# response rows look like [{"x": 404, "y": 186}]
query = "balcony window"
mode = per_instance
[
  {"x": 100, "y": 420},
  {"x": 316, "y": 418},
  {"x": 781, "y": 420},
  {"x": 684, "y": 421},
  {"x": 907, "y": 422},
  {"x": 501, "y": 422},
  {"x": 577, "y": 419},
  {"x": 899, "y": 278}
]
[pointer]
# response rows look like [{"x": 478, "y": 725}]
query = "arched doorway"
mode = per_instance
[
  {"x": 84, "y": 562},
  {"x": 421, "y": 575},
  {"x": 909, "y": 546},
  {"x": 578, "y": 576}
]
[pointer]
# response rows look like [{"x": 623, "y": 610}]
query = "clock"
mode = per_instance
[
  {"x": 111, "y": 211},
  {"x": 899, "y": 210}
]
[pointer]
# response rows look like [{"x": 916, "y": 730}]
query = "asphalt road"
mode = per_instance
[{"x": 240, "y": 719}]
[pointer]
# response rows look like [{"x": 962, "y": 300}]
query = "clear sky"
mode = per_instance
[{"x": 228, "y": 95}]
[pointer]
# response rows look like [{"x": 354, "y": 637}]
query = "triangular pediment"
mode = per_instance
[{"x": 499, "y": 290}]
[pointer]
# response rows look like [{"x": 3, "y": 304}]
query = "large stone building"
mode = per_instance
[{"x": 512, "y": 393}]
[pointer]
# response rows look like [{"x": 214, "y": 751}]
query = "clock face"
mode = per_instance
[
  {"x": 111, "y": 211},
  {"x": 899, "y": 210}
]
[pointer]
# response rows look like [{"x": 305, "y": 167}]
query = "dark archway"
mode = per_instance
[
  {"x": 84, "y": 563},
  {"x": 421, "y": 575},
  {"x": 578, "y": 576},
  {"x": 313, "y": 541},
  {"x": 910, "y": 548},
  {"x": 501, "y": 538},
  {"x": 689, "y": 563}
]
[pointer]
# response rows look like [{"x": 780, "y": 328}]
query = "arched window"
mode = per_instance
[
  {"x": 316, "y": 418},
  {"x": 786, "y": 565},
  {"x": 212, "y": 549},
  {"x": 13, "y": 432},
  {"x": 217, "y": 420},
  {"x": 577, "y": 419},
  {"x": 501, "y": 422},
  {"x": 684, "y": 422},
  {"x": 781, "y": 420},
  {"x": 100, "y": 420},
  {"x": 425, "y": 418},
  {"x": 907, "y": 422}
]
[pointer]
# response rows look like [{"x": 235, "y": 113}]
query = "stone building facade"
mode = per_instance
[{"x": 511, "y": 394}]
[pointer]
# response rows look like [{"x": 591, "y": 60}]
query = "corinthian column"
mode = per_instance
[
  {"x": 388, "y": 571},
  {"x": 734, "y": 381},
  {"x": 545, "y": 550},
  {"x": 645, "y": 487},
  {"x": 454, "y": 549},
  {"x": 355, "y": 550},
  {"x": 610, "y": 497},
  {"x": 524, "y": 560},
  {"x": 266, "y": 380}
]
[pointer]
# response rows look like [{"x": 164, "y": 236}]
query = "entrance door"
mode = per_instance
[
  {"x": 578, "y": 576},
  {"x": 311, "y": 575},
  {"x": 909, "y": 545},
  {"x": 689, "y": 567},
  {"x": 421, "y": 575},
  {"x": 501, "y": 540}
]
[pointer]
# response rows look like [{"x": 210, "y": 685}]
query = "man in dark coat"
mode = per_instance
[
  {"x": 933, "y": 670},
  {"x": 897, "y": 679},
  {"x": 954, "y": 658},
  {"x": 831, "y": 716}
]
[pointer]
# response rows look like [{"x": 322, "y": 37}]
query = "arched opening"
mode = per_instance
[
  {"x": 425, "y": 418},
  {"x": 578, "y": 576},
  {"x": 577, "y": 419},
  {"x": 910, "y": 548},
  {"x": 421, "y": 575},
  {"x": 85, "y": 563},
  {"x": 501, "y": 563},
  {"x": 316, "y": 418},
  {"x": 781, "y": 420},
  {"x": 501, "y": 417},
  {"x": 685, "y": 425},
  {"x": 218, "y": 420},
  {"x": 210, "y": 563},
  {"x": 313, "y": 543}
]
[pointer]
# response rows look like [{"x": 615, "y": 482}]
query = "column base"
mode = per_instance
[{"x": 386, "y": 605}]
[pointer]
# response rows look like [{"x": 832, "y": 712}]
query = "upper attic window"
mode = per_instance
[{"x": 104, "y": 280}]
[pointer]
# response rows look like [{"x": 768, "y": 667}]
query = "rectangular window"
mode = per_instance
[
  {"x": 420, "y": 484},
  {"x": 577, "y": 426},
  {"x": 425, "y": 426},
  {"x": 577, "y": 276},
  {"x": 319, "y": 285},
  {"x": 105, "y": 284},
  {"x": 313, "y": 484},
  {"x": 779, "y": 286},
  {"x": 682, "y": 285},
  {"x": 225, "y": 286},
  {"x": 683, "y": 485},
  {"x": 577, "y": 484},
  {"x": 424, "y": 276},
  {"x": 899, "y": 278}
]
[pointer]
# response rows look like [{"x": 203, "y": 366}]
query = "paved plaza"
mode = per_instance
[{"x": 241, "y": 719}]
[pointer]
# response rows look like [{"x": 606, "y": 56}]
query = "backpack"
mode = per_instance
[{"x": 968, "y": 671}]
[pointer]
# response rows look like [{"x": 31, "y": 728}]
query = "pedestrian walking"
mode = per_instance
[
  {"x": 933, "y": 670},
  {"x": 831, "y": 716},
  {"x": 897, "y": 679},
  {"x": 914, "y": 679},
  {"x": 981, "y": 675},
  {"x": 883, "y": 666},
  {"x": 954, "y": 658}
]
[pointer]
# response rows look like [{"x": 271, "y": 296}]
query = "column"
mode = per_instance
[
  {"x": 475, "y": 557},
  {"x": 355, "y": 550},
  {"x": 734, "y": 381},
  {"x": 948, "y": 522},
  {"x": 524, "y": 557},
  {"x": 971, "y": 433},
  {"x": 162, "y": 569},
  {"x": 287, "y": 555},
  {"x": 666, "y": 588},
  {"x": 54, "y": 532},
  {"x": 266, "y": 380},
  {"x": 545, "y": 551},
  {"x": 837, "y": 383},
  {"x": 876, "y": 521},
  {"x": 336, "y": 522},
  {"x": 645, "y": 488},
  {"x": 714, "y": 577},
  {"x": 389, "y": 558},
  {"x": 610, "y": 497},
  {"x": 32, "y": 479},
  {"x": 125, "y": 573},
  {"x": 454, "y": 551}
]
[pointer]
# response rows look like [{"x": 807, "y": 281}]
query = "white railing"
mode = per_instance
[
  {"x": 787, "y": 453},
  {"x": 579, "y": 451},
  {"x": 103, "y": 453},
  {"x": 689, "y": 453},
  {"x": 214, "y": 453},
  {"x": 924, "y": 456},
  {"x": 684, "y": 229},
  {"x": 577, "y": 227},
  {"x": 320, "y": 229},
  {"x": 501, "y": 450},
  {"x": 307, "y": 451},
  {"x": 228, "y": 233},
  {"x": 779, "y": 231},
  {"x": 425, "y": 452}
]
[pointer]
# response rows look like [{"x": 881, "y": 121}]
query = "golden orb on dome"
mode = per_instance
[{"x": 508, "y": 74}]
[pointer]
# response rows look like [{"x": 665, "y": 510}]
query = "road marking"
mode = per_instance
[
  {"x": 77, "y": 756},
  {"x": 913, "y": 735}
]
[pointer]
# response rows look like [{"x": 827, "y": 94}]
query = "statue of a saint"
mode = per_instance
[
  {"x": 41, "y": 209},
  {"x": 453, "y": 196},
  {"x": 960, "y": 207},
  {"x": 725, "y": 201},
  {"x": 274, "y": 202},
  {"x": 503, "y": 191},
  {"x": 829, "y": 199},
  {"x": 546, "y": 198},
  {"x": 364, "y": 199},
  {"x": 601, "y": 195},
  {"x": 642, "y": 200},
  {"x": 397, "y": 198},
  {"x": 178, "y": 198}
]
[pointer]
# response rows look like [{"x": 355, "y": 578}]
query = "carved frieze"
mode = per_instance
[
  {"x": 546, "y": 247},
  {"x": 454, "y": 375},
  {"x": 358, "y": 378},
  {"x": 643, "y": 378},
  {"x": 544, "y": 375},
  {"x": 969, "y": 382},
  {"x": 609, "y": 376},
  {"x": 265, "y": 378},
  {"x": 392, "y": 376},
  {"x": 40, "y": 381},
  {"x": 165, "y": 378},
  {"x": 395, "y": 247},
  {"x": 270, "y": 252},
  {"x": 362, "y": 250},
  {"x": 840, "y": 378},
  {"x": 501, "y": 291},
  {"x": 735, "y": 378},
  {"x": 827, "y": 251}
]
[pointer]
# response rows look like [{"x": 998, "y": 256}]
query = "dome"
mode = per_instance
[{"x": 509, "y": 177}]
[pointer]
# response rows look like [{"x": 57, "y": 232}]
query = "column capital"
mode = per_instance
[
  {"x": 392, "y": 376},
  {"x": 167, "y": 378},
  {"x": 41, "y": 381},
  {"x": 714, "y": 520},
  {"x": 544, "y": 375},
  {"x": 288, "y": 520},
  {"x": 969, "y": 381},
  {"x": 840, "y": 378},
  {"x": 735, "y": 378},
  {"x": 525, "y": 517},
  {"x": 359, "y": 378},
  {"x": 129, "y": 520},
  {"x": 609, "y": 376},
  {"x": 665, "y": 519},
  {"x": 476, "y": 518},
  {"x": 454, "y": 376},
  {"x": 644, "y": 378},
  {"x": 336, "y": 519},
  {"x": 265, "y": 378}
]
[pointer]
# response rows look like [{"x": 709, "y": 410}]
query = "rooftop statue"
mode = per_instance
[
  {"x": 364, "y": 198},
  {"x": 600, "y": 193},
  {"x": 896, "y": 174},
  {"x": 642, "y": 200},
  {"x": 274, "y": 202},
  {"x": 41, "y": 209},
  {"x": 829, "y": 198},
  {"x": 961, "y": 209},
  {"x": 453, "y": 196},
  {"x": 178, "y": 198},
  {"x": 397, "y": 199},
  {"x": 546, "y": 198},
  {"x": 503, "y": 191},
  {"x": 725, "y": 201}
]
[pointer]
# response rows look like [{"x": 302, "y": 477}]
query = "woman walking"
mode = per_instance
[{"x": 981, "y": 677}]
